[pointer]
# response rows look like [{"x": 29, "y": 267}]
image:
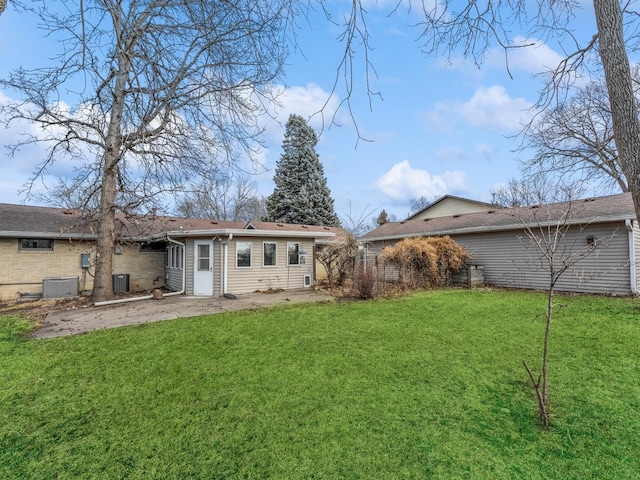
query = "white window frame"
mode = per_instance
[
  {"x": 174, "y": 257},
  {"x": 275, "y": 254},
  {"x": 238, "y": 244},
  {"x": 289, "y": 245}
]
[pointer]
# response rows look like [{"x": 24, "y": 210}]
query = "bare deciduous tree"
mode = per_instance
[
  {"x": 546, "y": 231},
  {"x": 356, "y": 225},
  {"x": 535, "y": 189},
  {"x": 576, "y": 142},
  {"x": 418, "y": 204},
  {"x": 225, "y": 198},
  {"x": 148, "y": 95},
  {"x": 338, "y": 259},
  {"x": 448, "y": 27}
]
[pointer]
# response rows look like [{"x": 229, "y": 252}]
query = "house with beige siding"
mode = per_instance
[
  {"x": 207, "y": 257},
  {"x": 51, "y": 252},
  {"x": 451, "y": 205},
  {"x": 601, "y": 234}
]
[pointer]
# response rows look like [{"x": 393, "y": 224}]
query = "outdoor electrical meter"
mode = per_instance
[{"x": 85, "y": 260}]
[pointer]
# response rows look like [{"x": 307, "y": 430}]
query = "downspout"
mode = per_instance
[
  {"x": 184, "y": 267},
  {"x": 632, "y": 258},
  {"x": 149, "y": 297},
  {"x": 225, "y": 265}
]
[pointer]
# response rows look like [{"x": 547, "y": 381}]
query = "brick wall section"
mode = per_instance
[
  {"x": 145, "y": 269},
  {"x": 22, "y": 271}
]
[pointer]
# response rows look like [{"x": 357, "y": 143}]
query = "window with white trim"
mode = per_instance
[
  {"x": 174, "y": 256},
  {"x": 269, "y": 254},
  {"x": 243, "y": 254},
  {"x": 293, "y": 255}
]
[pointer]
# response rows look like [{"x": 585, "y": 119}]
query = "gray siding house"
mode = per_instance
[{"x": 600, "y": 234}]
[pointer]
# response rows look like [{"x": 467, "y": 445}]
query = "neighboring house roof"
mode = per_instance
[
  {"x": 582, "y": 212},
  {"x": 33, "y": 222},
  {"x": 450, "y": 205}
]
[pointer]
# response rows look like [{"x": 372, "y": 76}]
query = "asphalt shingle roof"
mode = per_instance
[
  {"x": 590, "y": 210},
  {"x": 49, "y": 221}
]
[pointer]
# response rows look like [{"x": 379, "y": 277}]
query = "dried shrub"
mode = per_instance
[
  {"x": 365, "y": 284},
  {"x": 426, "y": 262},
  {"x": 338, "y": 258},
  {"x": 450, "y": 257}
]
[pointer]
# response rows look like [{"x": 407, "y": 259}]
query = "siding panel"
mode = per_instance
[
  {"x": 510, "y": 259},
  {"x": 260, "y": 277}
]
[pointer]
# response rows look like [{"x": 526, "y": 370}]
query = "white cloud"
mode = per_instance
[
  {"x": 488, "y": 108},
  {"x": 403, "y": 182},
  {"x": 311, "y": 102}
]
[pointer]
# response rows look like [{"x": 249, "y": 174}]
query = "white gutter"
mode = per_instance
[
  {"x": 632, "y": 258},
  {"x": 149, "y": 297},
  {"x": 252, "y": 233}
]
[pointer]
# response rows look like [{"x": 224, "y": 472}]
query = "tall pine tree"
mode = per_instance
[{"x": 301, "y": 195}]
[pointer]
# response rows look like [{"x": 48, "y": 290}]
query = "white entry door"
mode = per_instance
[{"x": 203, "y": 268}]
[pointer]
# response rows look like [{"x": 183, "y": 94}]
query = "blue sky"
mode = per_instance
[{"x": 436, "y": 128}]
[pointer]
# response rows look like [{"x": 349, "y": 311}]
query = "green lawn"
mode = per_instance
[{"x": 429, "y": 386}]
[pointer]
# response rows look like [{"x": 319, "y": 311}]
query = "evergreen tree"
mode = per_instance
[
  {"x": 382, "y": 218},
  {"x": 301, "y": 195}
]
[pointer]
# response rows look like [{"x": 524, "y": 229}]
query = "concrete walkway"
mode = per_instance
[{"x": 73, "y": 322}]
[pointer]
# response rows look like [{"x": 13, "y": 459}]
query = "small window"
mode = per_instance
[
  {"x": 243, "y": 254},
  {"x": 36, "y": 244},
  {"x": 152, "y": 247},
  {"x": 174, "y": 256},
  {"x": 292, "y": 251},
  {"x": 269, "y": 254}
]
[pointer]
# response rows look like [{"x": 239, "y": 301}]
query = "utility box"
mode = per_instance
[
  {"x": 120, "y": 282},
  {"x": 59, "y": 287},
  {"x": 85, "y": 260},
  {"x": 470, "y": 276}
]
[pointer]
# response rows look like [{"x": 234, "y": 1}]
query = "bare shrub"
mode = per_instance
[
  {"x": 364, "y": 284},
  {"x": 338, "y": 259}
]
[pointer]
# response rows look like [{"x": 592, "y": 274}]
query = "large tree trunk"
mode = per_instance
[
  {"x": 102, "y": 284},
  {"x": 624, "y": 110}
]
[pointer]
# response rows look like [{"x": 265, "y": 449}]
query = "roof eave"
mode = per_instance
[
  {"x": 54, "y": 235},
  {"x": 502, "y": 228},
  {"x": 246, "y": 233}
]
